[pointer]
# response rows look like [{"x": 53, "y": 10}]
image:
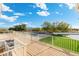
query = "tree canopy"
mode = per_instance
[
  {"x": 56, "y": 26},
  {"x": 21, "y": 27}
]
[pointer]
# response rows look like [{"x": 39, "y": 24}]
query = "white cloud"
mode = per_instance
[
  {"x": 60, "y": 5},
  {"x": 19, "y": 14},
  {"x": 57, "y": 13},
  {"x": 71, "y": 5},
  {"x": 24, "y": 23},
  {"x": 75, "y": 26},
  {"x": 19, "y": 24},
  {"x": 34, "y": 6},
  {"x": 9, "y": 18},
  {"x": 5, "y": 8},
  {"x": 42, "y": 6},
  {"x": 1, "y": 23},
  {"x": 43, "y": 13},
  {"x": 30, "y": 12}
]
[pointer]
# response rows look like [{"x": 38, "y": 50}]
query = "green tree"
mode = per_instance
[
  {"x": 56, "y": 27},
  {"x": 63, "y": 27},
  {"x": 46, "y": 26},
  {"x": 36, "y": 29},
  {"x": 21, "y": 27}
]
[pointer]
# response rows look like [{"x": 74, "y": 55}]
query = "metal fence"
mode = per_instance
[{"x": 68, "y": 42}]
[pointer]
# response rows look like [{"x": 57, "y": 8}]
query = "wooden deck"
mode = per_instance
[
  {"x": 32, "y": 48},
  {"x": 38, "y": 49}
]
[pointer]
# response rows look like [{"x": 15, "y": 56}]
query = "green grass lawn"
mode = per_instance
[{"x": 63, "y": 42}]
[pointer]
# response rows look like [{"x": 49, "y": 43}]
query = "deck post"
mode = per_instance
[
  {"x": 23, "y": 51},
  {"x": 31, "y": 37}
]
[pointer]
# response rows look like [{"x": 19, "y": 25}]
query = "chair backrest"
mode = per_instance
[
  {"x": 2, "y": 46},
  {"x": 10, "y": 43}
]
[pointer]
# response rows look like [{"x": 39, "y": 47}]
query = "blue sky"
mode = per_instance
[{"x": 34, "y": 14}]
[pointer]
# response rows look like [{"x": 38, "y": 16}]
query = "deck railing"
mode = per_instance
[{"x": 66, "y": 42}]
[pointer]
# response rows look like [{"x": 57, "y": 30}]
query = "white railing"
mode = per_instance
[{"x": 19, "y": 51}]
